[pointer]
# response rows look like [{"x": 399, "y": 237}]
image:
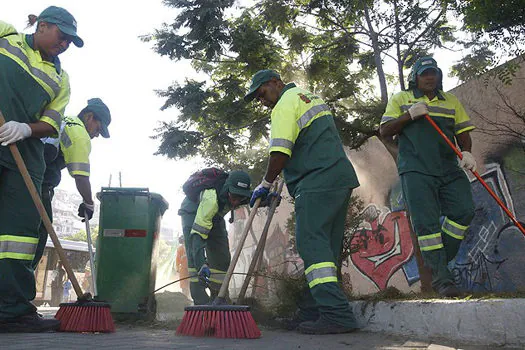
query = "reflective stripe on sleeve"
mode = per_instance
[
  {"x": 324, "y": 272},
  {"x": 430, "y": 242},
  {"x": 53, "y": 115},
  {"x": 281, "y": 143},
  {"x": 459, "y": 128},
  {"x": 71, "y": 167},
  {"x": 201, "y": 231}
]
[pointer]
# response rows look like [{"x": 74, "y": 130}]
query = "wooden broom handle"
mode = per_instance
[
  {"x": 42, "y": 211},
  {"x": 260, "y": 246},
  {"x": 229, "y": 273}
]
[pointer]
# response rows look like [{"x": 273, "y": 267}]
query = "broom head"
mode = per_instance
[
  {"x": 220, "y": 321},
  {"x": 84, "y": 316}
]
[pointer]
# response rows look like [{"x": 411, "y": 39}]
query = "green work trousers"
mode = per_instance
[
  {"x": 47, "y": 197},
  {"x": 429, "y": 199},
  {"x": 215, "y": 251},
  {"x": 19, "y": 222},
  {"x": 320, "y": 223}
]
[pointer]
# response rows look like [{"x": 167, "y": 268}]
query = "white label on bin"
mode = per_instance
[{"x": 112, "y": 232}]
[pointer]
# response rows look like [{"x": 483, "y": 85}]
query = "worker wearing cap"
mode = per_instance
[
  {"x": 34, "y": 92},
  {"x": 72, "y": 151},
  {"x": 434, "y": 185},
  {"x": 306, "y": 145},
  {"x": 206, "y": 237}
]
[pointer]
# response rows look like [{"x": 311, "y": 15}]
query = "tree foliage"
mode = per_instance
[
  {"x": 81, "y": 236},
  {"x": 337, "y": 49},
  {"x": 498, "y": 34}
]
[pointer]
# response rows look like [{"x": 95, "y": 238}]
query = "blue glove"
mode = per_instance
[
  {"x": 271, "y": 197},
  {"x": 260, "y": 192},
  {"x": 204, "y": 274}
]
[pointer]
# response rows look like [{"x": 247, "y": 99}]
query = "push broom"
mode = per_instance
[
  {"x": 476, "y": 174},
  {"x": 219, "y": 320},
  {"x": 84, "y": 315}
]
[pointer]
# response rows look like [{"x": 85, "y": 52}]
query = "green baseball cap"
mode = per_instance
[
  {"x": 238, "y": 183},
  {"x": 424, "y": 63},
  {"x": 64, "y": 21},
  {"x": 101, "y": 112},
  {"x": 258, "y": 79}
]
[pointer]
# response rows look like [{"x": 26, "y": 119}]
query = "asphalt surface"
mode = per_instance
[{"x": 161, "y": 335}]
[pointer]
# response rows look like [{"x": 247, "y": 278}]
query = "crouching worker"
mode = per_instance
[{"x": 210, "y": 194}]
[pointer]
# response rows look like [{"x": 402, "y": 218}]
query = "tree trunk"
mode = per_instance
[
  {"x": 400, "y": 60},
  {"x": 377, "y": 55}
]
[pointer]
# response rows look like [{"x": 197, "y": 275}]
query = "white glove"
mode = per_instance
[
  {"x": 418, "y": 110},
  {"x": 467, "y": 162},
  {"x": 13, "y": 131}
]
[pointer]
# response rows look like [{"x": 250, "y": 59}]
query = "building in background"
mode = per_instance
[{"x": 65, "y": 209}]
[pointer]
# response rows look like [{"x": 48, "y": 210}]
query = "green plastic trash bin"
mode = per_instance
[{"x": 126, "y": 254}]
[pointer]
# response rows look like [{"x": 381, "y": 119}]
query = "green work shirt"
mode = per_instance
[
  {"x": 421, "y": 148},
  {"x": 31, "y": 90},
  {"x": 302, "y": 127}
]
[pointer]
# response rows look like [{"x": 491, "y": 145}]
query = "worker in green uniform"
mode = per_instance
[
  {"x": 71, "y": 150},
  {"x": 34, "y": 91},
  {"x": 205, "y": 235},
  {"x": 434, "y": 184},
  {"x": 306, "y": 145}
]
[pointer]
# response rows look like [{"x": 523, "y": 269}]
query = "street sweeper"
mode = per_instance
[
  {"x": 71, "y": 150},
  {"x": 210, "y": 194},
  {"x": 34, "y": 92},
  {"x": 305, "y": 144},
  {"x": 433, "y": 181}
]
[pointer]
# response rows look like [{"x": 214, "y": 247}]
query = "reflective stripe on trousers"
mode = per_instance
[
  {"x": 430, "y": 242},
  {"x": 324, "y": 272},
  {"x": 454, "y": 229},
  {"x": 18, "y": 247}
]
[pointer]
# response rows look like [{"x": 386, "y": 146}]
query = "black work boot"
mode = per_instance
[
  {"x": 448, "y": 290},
  {"x": 31, "y": 323},
  {"x": 298, "y": 317},
  {"x": 291, "y": 324},
  {"x": 322, "y": 326}
]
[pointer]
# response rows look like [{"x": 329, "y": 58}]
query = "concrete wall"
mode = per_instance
[{"x": 491, "y": 257}]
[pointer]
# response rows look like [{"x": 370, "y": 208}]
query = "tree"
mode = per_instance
[
  {"x": 498, "y": 34},
  {"x": 81, "y": 236},
  {"x": 334, "y": 48}
]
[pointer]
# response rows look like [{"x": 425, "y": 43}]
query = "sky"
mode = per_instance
[{"x": 117, "y": 67}]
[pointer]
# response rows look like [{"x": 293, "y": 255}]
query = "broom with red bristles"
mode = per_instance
[
  {"x": 220, "y": 320},
  {"x": 85, "y": 315}
]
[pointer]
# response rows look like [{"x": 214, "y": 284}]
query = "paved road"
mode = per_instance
[
  {"x": 161, "y": 335},
  {"x": 137, "y": 337}
]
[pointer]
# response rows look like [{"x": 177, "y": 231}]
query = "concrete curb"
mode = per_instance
[{"x": 491, "y": 322}]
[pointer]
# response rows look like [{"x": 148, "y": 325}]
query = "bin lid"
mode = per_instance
[
  {"x": 161, "y": 202},
  {"x": 135, "y": 191}
]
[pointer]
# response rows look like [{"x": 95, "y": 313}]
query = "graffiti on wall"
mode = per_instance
[
  {"x": 491, "y": 256},
  {"x": 384, "y": 244}
]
